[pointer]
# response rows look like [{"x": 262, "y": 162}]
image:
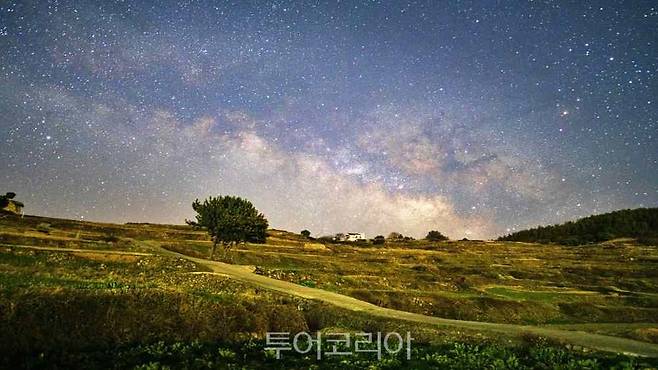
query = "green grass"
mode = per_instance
[
  {"x": 14, "y": 281},
  {"x": 535, "y": 296}
]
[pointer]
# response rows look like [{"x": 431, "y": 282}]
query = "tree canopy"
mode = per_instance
[
  {"x": 628, "y": 223},
  {"x": 435, "y": 236},
  {"x": 4, "y": 199},
  {"x": 305, "y": 233},
  {"x": 230, "y": 220}
]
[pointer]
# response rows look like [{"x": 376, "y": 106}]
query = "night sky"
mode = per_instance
[{"x": 472, "y": 118}]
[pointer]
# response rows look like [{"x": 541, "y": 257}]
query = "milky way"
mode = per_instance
[{"x": 472, "y": 118}]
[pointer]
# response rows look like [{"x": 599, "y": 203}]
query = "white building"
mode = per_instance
[{"x": 352, "y": 237}]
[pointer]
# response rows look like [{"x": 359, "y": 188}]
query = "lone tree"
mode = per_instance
[
  {"x": 435, "y": 236},
  {"x": 305, "y": 233},
  {"x": 229, "y": 220}
]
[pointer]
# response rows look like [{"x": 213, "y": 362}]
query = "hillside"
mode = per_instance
[
  {"x": 641, "y": 223},
  {"x": 83, "y": 292}
]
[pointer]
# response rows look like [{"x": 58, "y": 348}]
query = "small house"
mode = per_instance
[{"x": 353, "y": 237}]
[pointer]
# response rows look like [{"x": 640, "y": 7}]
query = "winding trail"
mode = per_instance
[
  {"x": 600, "y": 342},
  {"x": 580, "y": 338}
]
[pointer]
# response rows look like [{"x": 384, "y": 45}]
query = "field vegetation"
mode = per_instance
[
  {"x": 506, "y": 282},
  {"x": 121, "y": 302}
]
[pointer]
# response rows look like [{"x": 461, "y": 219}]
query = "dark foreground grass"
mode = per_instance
[
  {"x": 251, "y": 354},
  {"x": 73, "y": 328}
]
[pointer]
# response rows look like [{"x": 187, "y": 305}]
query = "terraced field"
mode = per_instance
[{"x": 483, "y": 281}]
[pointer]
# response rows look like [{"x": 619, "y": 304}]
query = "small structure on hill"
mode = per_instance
[
  {"x": 353, "y": 237},
  {"x": 9, "y": 205}
]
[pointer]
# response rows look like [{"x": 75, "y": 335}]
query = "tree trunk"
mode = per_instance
[
  {"x": 214, "y": 246},
  {"x": 227, "y": 255}
]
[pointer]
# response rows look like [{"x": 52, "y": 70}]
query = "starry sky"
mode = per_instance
[{"x": 474, "y": 118}]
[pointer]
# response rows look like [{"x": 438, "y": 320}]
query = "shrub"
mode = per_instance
[
  {"x": 43, "y": 228},
  {"x": 461, "y": 283},
  {"x": 326, "y": 239},
  {"x": 110, "y": 238},
  {"x": 650, "y": 241},
  {"x": 361, "y": 243},
  {"x": 395, "y": 236},
  {"x": 435, "y": 236}
]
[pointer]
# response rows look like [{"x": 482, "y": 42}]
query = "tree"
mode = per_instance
[
  {"x": 395, "y": 236},
  {"x": 305, "y": 233},
  {"x": 229, "y": 220},
  {"x": 435, "y": 236},
  {"x": 379, "y": 239},
  {"x": 627, "y": 223},
  {"x": 4, "y": 199}
]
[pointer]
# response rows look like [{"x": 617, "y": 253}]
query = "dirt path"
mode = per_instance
[{"x": 587, "y": 340}]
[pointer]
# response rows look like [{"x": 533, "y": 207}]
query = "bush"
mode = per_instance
[
  {"x": 326, "y": 239},
  {"x": 43, "y": 228},
  {"x": 649, "y": 241},
  {"x": 361, "y": 243},
  {"x": 110, "y": 238},
  {"x": 378, "y": 240},
  {"x": 461, "y": 283},
  {"x": 395, "y": 236}
]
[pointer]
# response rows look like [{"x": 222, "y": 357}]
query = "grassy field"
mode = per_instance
[
  {"x": 59, "y": 306},
  {"x": 485, "y": 281}
]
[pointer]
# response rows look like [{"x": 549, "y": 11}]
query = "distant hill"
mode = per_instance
[{"x": 641, "y": 223}]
